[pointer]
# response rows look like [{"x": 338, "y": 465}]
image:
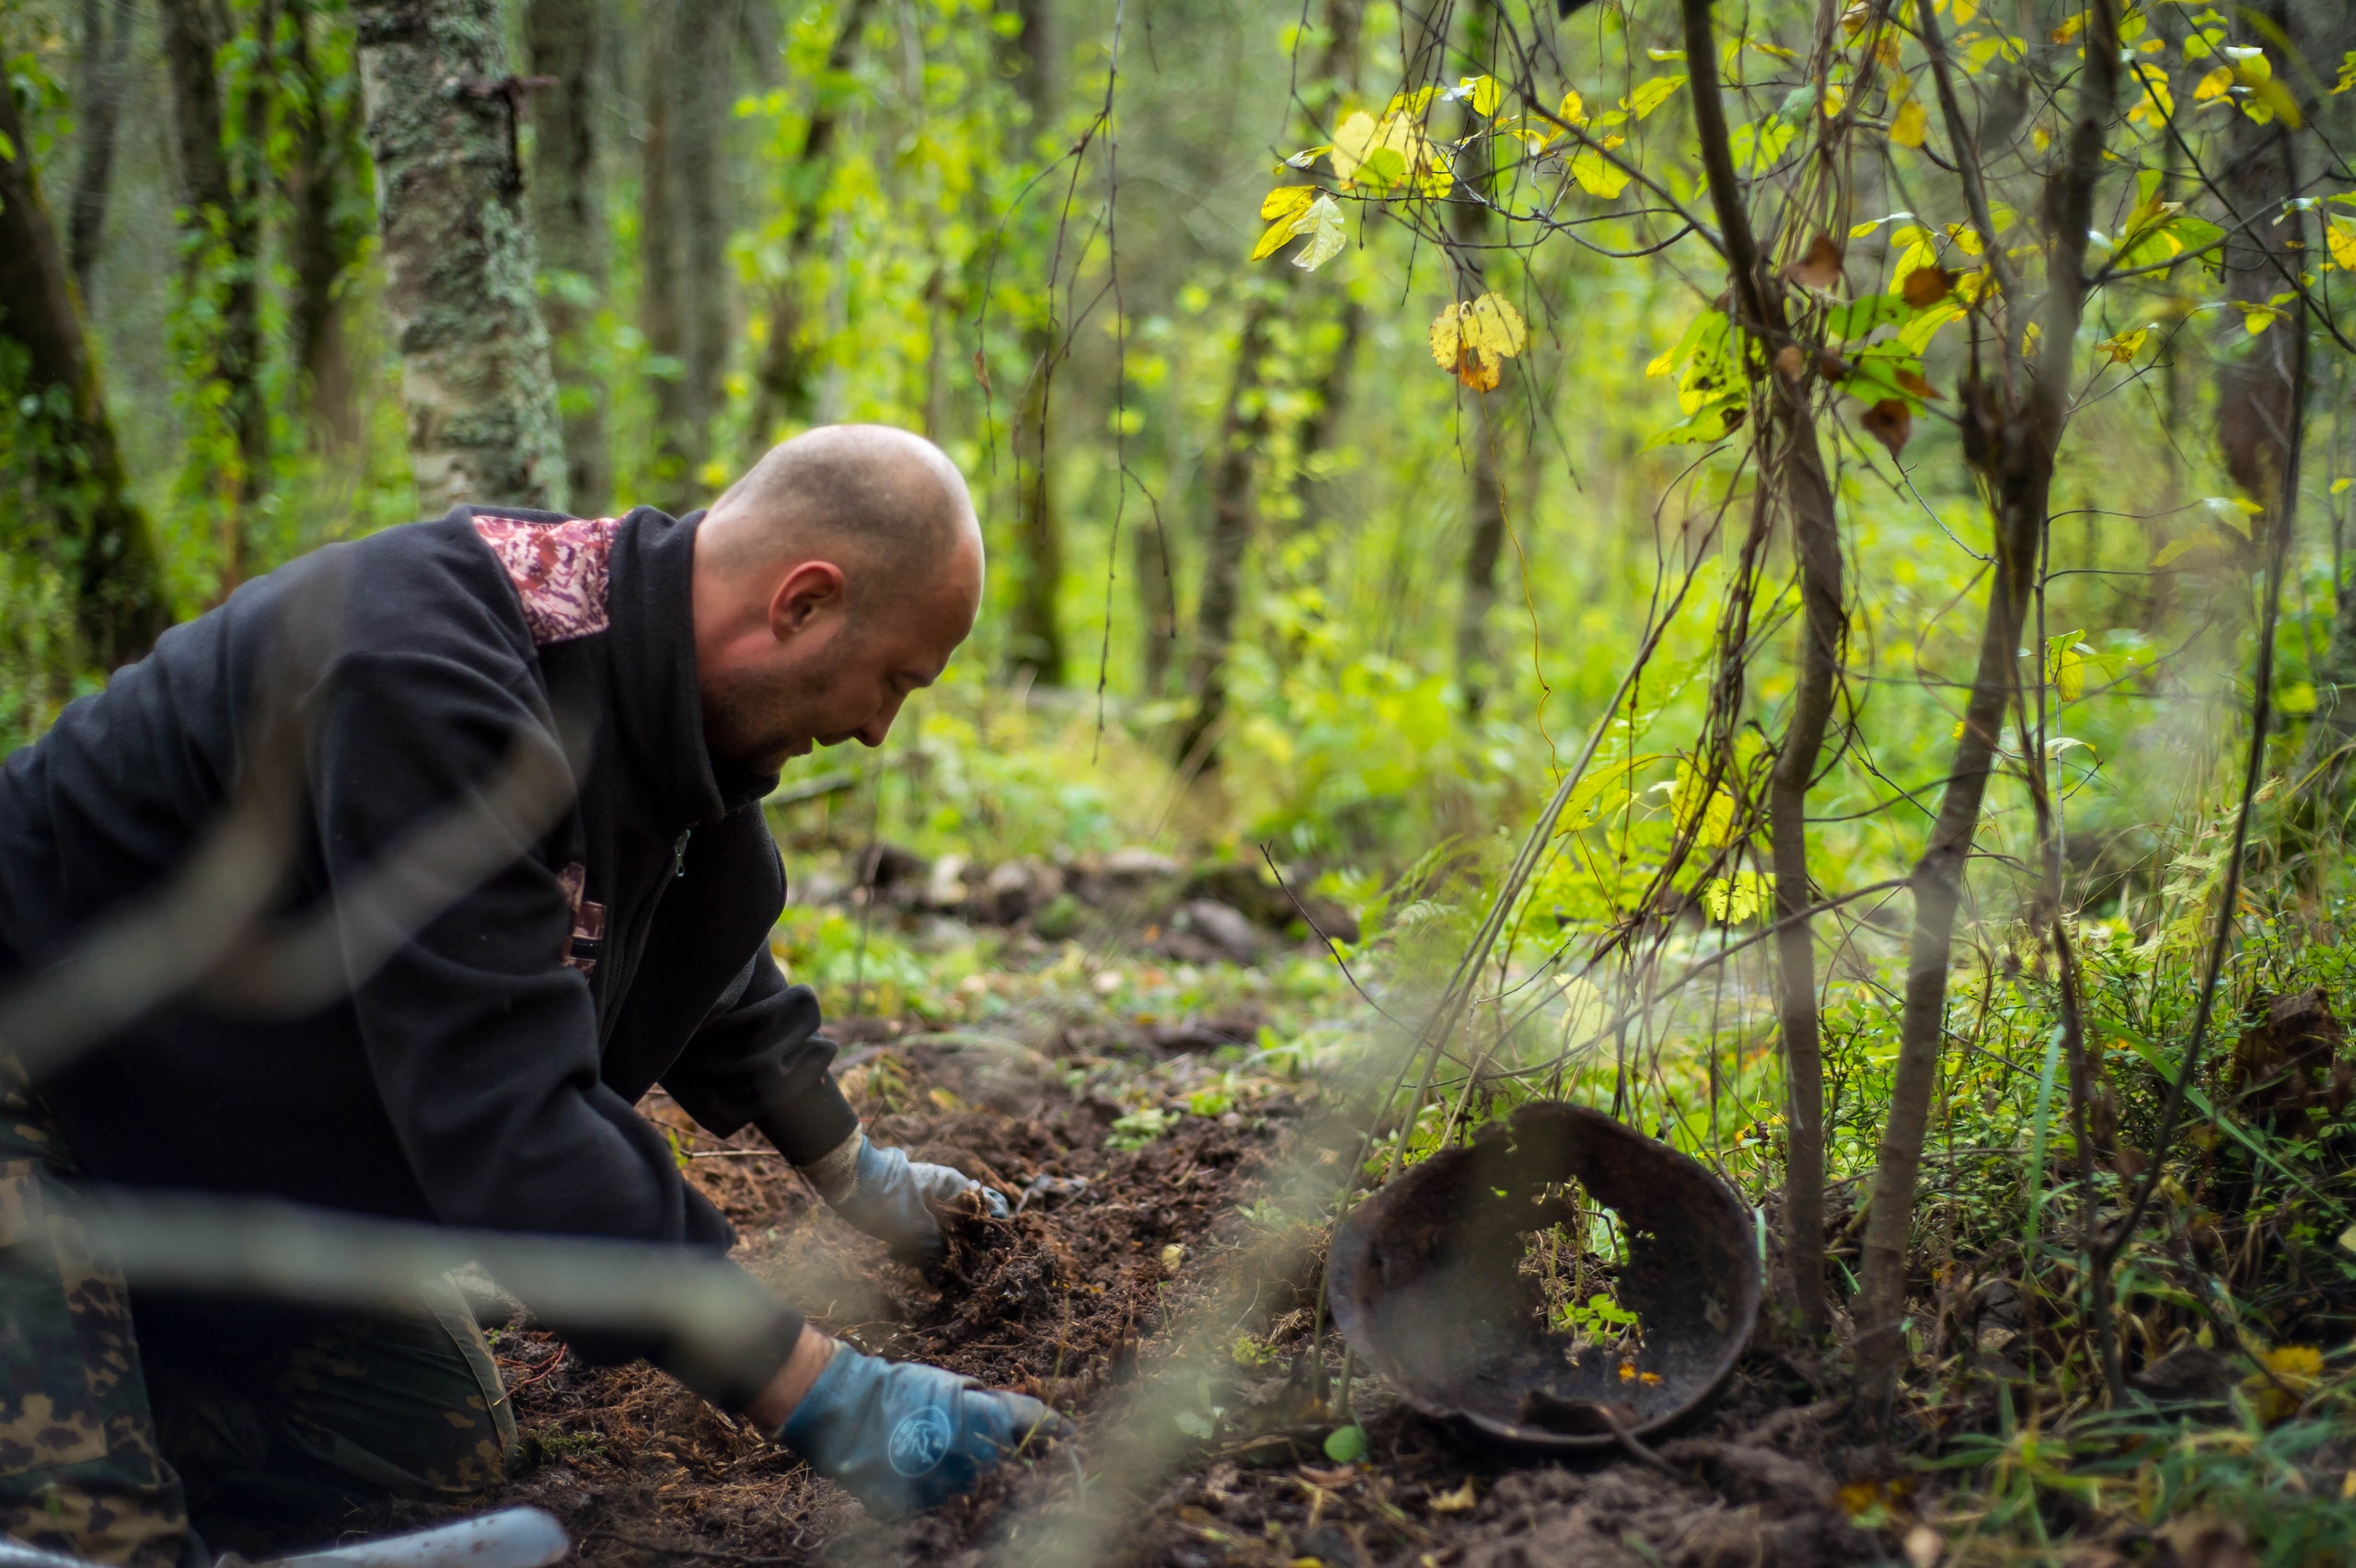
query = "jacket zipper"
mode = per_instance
[{"x": 627, "y": 969}]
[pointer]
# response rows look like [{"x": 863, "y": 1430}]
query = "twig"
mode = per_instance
[{"x": 1331, "y": 947}]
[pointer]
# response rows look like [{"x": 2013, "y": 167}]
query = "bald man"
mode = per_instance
[{"x": 478, "y": 1066}]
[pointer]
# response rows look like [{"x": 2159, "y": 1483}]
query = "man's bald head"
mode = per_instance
[
  {"x": 832, "y": 580},
  {"x": 888, "y": 499}
]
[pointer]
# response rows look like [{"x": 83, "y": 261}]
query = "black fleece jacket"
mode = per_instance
[{"x": 484, "y": 1074}]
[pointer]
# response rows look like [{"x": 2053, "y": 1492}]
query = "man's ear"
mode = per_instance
[{"x": 808, "y": 589}]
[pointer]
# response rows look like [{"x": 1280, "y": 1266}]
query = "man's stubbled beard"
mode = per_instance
[{"x": 749, "y": 720}]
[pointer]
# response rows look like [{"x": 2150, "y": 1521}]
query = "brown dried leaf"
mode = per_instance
[
  {"x": 1790, "y": 363},
  {"x": 1925, "y": 286},
  {"x": 1832, "y": 366},
  {"x": 1890, "y": 422},
  {"x": 1479, "y": 371},
  {"x": 1912, "y": 382},
  {"x": 1820, "y": 268}
]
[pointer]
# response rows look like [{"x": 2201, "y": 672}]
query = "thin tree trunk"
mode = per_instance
[
  {"x": 329, "y": 172},
  {"x": 1318, "y": 430},
  {"x": 1158, "y": 601},
  {"x": 2012, "y": 429},
  {"x": 1485, "y": 499},
  {"x": 1486, "y": 503},
  {"x": 1234, "y": 513},
  {"x": 459, "y": 261},
  {"x": 102, "y": 545},
  {"x": 1038, "y": 638},
  {"x": 569, "y": 215},
  {"x": 783, "y": 379},
  {"x": 106, "y": 43},
  {"x": 1793, "y": 470},
  {"x": 223, "y": 205},
  {"x": 1038, "y": 641},
  {"x": 2254, "y": 384},
  {"x": 659, "y": 228},
  {"x": 698, "y": 165}
]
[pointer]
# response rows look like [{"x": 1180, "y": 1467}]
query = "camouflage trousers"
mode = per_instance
[{"x": 122, "y": 1415}]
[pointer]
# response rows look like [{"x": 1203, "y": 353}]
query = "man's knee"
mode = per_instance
[{"x": 270, "y": 1409}]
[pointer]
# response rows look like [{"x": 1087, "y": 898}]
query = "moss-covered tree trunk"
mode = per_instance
[
  {"x": 101, "y": 541},
  {"x": 569, "y": 215},
  {"x": 459, "y": 261}
]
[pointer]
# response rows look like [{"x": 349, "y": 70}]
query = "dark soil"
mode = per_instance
[{"x": 1078, "y": 1299}]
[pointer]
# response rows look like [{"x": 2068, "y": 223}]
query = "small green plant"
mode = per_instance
[
  {"x": 1138, "y": 1128},
  {"x": 1213, "y": 1099},
  {"x": 1600, "y": 1319}
]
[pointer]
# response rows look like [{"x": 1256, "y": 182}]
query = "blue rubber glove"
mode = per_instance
[
  {"x": 902, "y": 1436},
  {"x": 894, "y": 1199}
]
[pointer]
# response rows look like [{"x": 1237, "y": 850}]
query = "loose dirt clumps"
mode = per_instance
[{"x": 1056, "y": 1301}]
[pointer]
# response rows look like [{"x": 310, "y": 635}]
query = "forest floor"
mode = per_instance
[{"x": 1141, "y": 1241}]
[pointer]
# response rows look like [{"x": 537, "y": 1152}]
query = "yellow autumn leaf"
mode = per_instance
[
  {"x": 1390, "y": 152},
  {"x": 1447, "y": 337},
  {"x": 1285, "y": 200},
  {"x": 2123, "y": 347},
  {"x": 1475, "y": 338},
  {"x": 1908, "y": 126},
  {"x": 1493, "y": 326},
  {"x": 2340, "y": 235},
  {"x": 1835, "y": 98},
  {"x": 2157, "y": 104},
  {"x": 1964, "y": 11},
  {"x": 1481, "y": 92},
  {"x": 1353, "y": 138},
  {"x": 1573, "y": 109},
  {"x": 1274, "y": 239},
  {"x": 1327, "y": 231},
  {"x": 2215, "y": 85},
  {"x": 1595, "y": 175},
  {"x": 1650, "y": 94}
]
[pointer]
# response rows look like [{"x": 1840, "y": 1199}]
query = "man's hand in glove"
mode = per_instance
[
  {"x": 892, "y": 1198},
  {"x": 901, "y": 1437}
]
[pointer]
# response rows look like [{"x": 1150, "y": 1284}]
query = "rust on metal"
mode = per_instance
[{"x": 1426, "y": 1283}]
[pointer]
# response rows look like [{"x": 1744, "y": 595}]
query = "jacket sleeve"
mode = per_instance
[
  {"x": 760, "y": 1059},
  {"x": 482, "y": 1045}
]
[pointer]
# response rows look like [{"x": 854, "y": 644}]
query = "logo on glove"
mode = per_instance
[{"x": 920, "y": 1441}]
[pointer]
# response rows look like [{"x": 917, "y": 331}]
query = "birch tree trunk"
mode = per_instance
[
  {"x": 459, "y": 262},
  {"x": 102, "y": 543}
]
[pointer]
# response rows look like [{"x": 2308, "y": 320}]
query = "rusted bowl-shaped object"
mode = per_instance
[{"x": 1425, "y": 1283}]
